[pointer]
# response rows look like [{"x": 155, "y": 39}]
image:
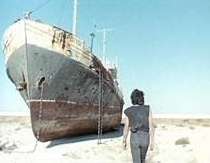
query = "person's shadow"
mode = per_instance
[{"x": 112, "y": 134}]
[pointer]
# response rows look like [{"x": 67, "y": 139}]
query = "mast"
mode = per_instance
[
  {"x": 104, "y": 42},
  {"x": 74, "y": 25},
  {"x": 104, "y": 32}
]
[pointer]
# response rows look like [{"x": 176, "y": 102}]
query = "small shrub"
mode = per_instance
[
  {"x": 192, "y": 128},
  {"x": 182, "y": 141}
]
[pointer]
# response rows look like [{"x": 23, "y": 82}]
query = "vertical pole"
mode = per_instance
[
  {"x": 104, "y": 42},
  {"x": 99, "y": 108},
  {"x": 102, "y": 110},
  {"x": 74, "y": 26},
  {"x": 92, "y": 35}
]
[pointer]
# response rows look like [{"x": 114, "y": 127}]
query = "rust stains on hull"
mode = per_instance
[
  {"x": 63, "y": 119},
  {"x": 57, "y": 68}
]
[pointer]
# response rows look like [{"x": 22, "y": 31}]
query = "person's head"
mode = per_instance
[{"x": 137, "y": 97}]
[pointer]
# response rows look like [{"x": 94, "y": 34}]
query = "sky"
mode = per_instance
[{"x": 162, "y": 46}]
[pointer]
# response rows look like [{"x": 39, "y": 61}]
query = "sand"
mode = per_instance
[{"x": 176, "y": 141}]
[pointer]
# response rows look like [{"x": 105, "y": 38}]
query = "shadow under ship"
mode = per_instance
[{"x": 59, "y": 79}]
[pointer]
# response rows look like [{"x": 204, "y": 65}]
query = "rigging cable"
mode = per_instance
[
  {"x": 39, "y": 7},
  {"x": 28, "y": 86},
  {"x": 28, "y": 89},
  {"x": 63, "y": 8}
]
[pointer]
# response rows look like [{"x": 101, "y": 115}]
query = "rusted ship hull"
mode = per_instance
[
  {"x": 59, "y": 80},
  {"x": 62, "y": 119}
]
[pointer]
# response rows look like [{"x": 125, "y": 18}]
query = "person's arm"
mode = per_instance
[
  {"x": 125, "y": 132},
  {"x": 151, "y": 130}
]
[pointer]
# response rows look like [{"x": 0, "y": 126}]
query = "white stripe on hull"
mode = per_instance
[{"x": 68, "y": 102}]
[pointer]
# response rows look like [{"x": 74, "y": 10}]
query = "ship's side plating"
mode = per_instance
[{"x": 58, "y": 77}]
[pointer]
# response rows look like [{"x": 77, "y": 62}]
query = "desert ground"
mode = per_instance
[{"x": 177, "y": 140}]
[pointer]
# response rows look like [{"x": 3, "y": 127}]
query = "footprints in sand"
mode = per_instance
[{"x": 173, "y": 144}]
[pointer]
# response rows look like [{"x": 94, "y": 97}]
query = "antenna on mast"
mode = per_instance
[
  {"x": 74, "y": 25},
  {"x": 104, "y": 32}
]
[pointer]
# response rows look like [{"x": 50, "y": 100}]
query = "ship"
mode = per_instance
[{"x": 67, "y": 88}]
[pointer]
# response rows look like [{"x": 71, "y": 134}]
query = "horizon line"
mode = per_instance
[{"x": 155, "y": 115}]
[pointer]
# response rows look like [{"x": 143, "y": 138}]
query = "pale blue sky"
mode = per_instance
[{"x": 163, "y": 47}]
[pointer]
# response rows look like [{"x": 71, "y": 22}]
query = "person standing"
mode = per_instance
[{"x": 139, "y": 122}]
